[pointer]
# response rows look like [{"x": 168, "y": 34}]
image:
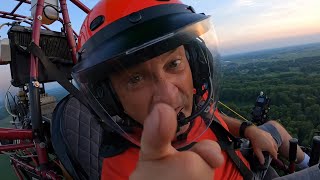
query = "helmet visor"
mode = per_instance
[{"x": 180, "y": 69}]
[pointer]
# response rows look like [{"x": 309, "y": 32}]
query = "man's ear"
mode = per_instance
[
  {"x": 187, "y": 55},
  {"x": 196, "y": 52}
]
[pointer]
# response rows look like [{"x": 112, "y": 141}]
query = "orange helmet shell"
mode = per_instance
[
  {"x": 112, "y": 10},
  {"x": 119, "y": 34}
]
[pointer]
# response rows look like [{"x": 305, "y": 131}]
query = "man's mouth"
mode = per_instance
[{"x": 183, "y": 129}]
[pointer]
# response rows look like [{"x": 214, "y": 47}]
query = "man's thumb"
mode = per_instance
[{"x": 158, "y": 131}]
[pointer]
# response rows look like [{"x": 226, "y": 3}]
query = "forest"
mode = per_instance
[{"x": 292, "y": 84}]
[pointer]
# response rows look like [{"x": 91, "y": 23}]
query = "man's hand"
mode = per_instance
[
  {"x": 159, "y": 160},
  {"x": 261, "y": 141}
]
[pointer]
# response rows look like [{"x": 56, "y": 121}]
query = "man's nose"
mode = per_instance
[{"x": 165, "y": 91}]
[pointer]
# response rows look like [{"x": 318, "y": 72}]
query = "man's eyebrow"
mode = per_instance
[{"x": 172, "y": 51}]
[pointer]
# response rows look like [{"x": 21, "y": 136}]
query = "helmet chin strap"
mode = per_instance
[
  {"x": 184, "y": 135},
  {"x": 183, "y": 120}
]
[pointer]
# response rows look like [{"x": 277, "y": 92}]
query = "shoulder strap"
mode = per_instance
[
  {"x": 59, "y": 76},
  {"x": 113, "y": 144},
  {"x": 225, "y": 141}
]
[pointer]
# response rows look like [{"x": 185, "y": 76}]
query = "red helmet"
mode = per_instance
[
  {"x": 106, "y": 12},
  {"x": 118, "y": 34}
]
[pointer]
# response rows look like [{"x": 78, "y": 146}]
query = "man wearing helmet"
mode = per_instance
[{"x": 150, "y": 71}]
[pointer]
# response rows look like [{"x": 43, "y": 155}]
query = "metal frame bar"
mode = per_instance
[
  {"x": 80, "y": 5},
  {"x": 17, "y": 17},
  {"x": 36, "y": 134},
  {"x": 16, "y": 170},
  {"x": 35, "y": 110},
  {"x": 12, "y": 134},
  {"x": 68, "y": 29},
  {"x": 42, "y": 173},
  {"x": 10, "y": 147},
  {"x": 12, "y": 14}
]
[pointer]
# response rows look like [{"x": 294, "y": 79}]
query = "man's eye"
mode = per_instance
[
  {"x": 174, "y": 63},
  {"x": 134, "y": 79}
]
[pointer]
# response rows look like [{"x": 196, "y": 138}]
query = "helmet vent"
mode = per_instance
[
  {"x": 135, "y": 17},
  {"x": 191, "y": 9},
  {"x": 96, "y": 22}
]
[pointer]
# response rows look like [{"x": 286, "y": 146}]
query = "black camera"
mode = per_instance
[{"x": 260, "y": 110}]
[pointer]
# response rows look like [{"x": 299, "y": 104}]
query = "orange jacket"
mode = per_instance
[{"x": 121, "y": 166}]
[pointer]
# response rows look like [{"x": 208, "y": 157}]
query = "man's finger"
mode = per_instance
[
  {"x": 158, "y": 131},
  {"x": 209, "y": 151},
  {"x": 260, "y": 156},
  {"x": 274, "y": 153}
]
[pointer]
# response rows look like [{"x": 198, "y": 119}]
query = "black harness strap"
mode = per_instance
[
  {"x": 224, "y": 138},
  {"x": 112, "y": 143},
  {"x": 63, "y": 81},
  {"x": 54, "y": 71}
]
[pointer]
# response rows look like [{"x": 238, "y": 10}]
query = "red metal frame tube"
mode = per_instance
[
  {"x": 12, "y": 15},
  {"x": 16, "y": 171},
  {"x": 42, "y": 173},
  {"x": 50, "y": 175},
  {"x": 25, "y": 22},
  {"x": 83, "y": 7},
  {"x": 68, "y": 28},
  {"x": 35, "y": 110},
  {"x": 18, "y": 19},
  {"x": 11, "y": 147},
  {"x": 36, "y": 37},
  {"x": 34, "y": 64},
  {"x": 42, "y": 153},
  {"x": 12, "y": 134},
  {"x": 24, "y": 165}
]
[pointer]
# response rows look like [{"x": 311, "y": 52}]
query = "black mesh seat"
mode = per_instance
[{"x": 76, "y": 137}]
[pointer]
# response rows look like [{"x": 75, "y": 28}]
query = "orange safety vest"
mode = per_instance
[{"x": 120, "y": 167}]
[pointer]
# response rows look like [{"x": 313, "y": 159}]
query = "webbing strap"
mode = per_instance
[
  {"x": 59, "y": 76},
  {"x": 223, "y": 139},
  {"x": 63, "y": 81}
]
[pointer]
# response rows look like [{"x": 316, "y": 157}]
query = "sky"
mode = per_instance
[
  {"x": 248, "y": 25},
  {"x": 240, "y": 25}
]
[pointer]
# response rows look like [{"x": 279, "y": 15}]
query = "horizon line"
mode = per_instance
[{"x": 265, "y": 49}]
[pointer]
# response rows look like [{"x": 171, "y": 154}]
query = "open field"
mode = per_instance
[{"x": 279, "y": 54}]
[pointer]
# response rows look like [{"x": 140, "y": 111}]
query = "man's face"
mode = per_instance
[{"x": 166, "y": 78}]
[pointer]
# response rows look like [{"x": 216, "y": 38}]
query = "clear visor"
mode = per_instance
[{"x": 180, "y": 69}]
